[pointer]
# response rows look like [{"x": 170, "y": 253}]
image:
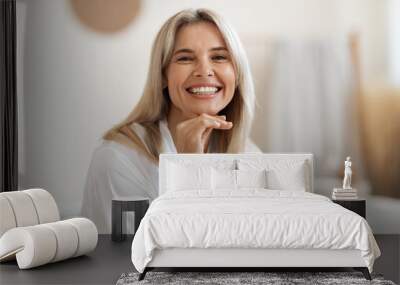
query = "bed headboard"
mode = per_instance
[{"x": 229, "y": 161}]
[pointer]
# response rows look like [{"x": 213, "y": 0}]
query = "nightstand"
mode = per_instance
[
  {"x": 139, "y": 206},
  {"x": 357, "y": 206}
]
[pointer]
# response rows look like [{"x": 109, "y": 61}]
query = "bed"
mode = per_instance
[{"x": 244, "y": 211}]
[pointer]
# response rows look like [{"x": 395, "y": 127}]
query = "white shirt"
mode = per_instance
[{"x": 120, "y": 172}]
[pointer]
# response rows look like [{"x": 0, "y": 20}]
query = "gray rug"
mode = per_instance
[{"x": 229, "y": 278}]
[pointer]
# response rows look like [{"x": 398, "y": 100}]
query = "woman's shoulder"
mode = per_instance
[
  {"x": 106, "y": 153},
  {"x": 121, "y": 141},
  {"x": 110, "y": 154},
  {"x": 121, "y": 146},
  {"x": 107, "y": 147}
]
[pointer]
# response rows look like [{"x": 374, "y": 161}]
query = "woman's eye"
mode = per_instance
[
  {"x": 219, "y": 57},
  {"x": 184, "y": 58}
]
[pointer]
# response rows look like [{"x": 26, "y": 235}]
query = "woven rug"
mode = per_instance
[{"x": 229, "y": 278}]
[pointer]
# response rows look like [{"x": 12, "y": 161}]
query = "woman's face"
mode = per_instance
[{"x": 200, "y": 76}]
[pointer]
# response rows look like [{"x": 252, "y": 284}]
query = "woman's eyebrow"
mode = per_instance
[
  {"x": 218, "y": 48},
  {"x": 187, "y": 50},
  {"x": 183, "y": 50}
]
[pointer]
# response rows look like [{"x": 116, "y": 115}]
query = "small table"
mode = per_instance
[
  {"x": 357, "y": 205},
  {"x": 119, "y": 206}
]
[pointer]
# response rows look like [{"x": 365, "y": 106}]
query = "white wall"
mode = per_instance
[{"x": 76, "y": 83}]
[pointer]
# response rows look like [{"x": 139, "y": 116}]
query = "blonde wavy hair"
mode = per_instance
[{"x": 154, "y": 104}]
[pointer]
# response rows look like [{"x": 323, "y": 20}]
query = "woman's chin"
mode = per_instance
[
  {"x": 210, "y": 108},
  {"x": 208, "y": 111}
]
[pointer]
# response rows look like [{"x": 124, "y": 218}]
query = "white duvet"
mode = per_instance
[{"x": 250, "y": 218}]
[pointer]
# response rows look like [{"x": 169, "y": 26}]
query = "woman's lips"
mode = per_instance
[{"x": 203, "y": 94}]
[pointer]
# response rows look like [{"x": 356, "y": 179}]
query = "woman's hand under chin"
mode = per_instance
[{"x": 192, "y": 135}]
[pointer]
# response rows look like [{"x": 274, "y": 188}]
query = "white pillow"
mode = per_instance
[
  {"x": 236, "y": 179},
  {"x": 251, "y": 178},
  {"x": 224, "y": 179},
  {"x": 281, "y": 174},
  {"x": 181, "y": 177},
  {"x": 287, "y": 179}
]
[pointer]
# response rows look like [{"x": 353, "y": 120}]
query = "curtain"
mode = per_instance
[
  {"x": 380, "y": 123},
  {"x": 310, "y": 98},
  {"x": 8, "y": 97}
]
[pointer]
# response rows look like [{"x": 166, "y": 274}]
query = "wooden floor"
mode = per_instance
[{"x": 111, "y": 259}]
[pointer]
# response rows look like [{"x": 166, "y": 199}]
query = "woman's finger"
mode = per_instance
[
  {"x": 204, "y": 118},
  {"x": 221, "y": 119},
  {"x": 205, "y": 123}
]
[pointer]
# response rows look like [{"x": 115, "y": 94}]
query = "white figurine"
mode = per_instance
[{"x": 347, "y": 174}]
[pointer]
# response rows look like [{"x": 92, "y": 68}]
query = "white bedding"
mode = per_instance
[{"x": 250, "y": 218}]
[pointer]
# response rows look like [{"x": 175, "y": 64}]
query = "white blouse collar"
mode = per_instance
[{"x": 168, "y": 142}]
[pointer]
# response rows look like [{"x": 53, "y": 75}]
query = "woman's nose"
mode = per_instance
[{"x": 203, "y": 68}]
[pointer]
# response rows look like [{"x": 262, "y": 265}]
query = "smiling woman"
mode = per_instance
[{"x": 198, "y": 98}]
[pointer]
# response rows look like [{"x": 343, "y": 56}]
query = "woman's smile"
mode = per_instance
[{"x": 204, "y": 90}]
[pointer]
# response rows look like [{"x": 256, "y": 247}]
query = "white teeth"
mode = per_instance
[{"x": 203, "y": 90}]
